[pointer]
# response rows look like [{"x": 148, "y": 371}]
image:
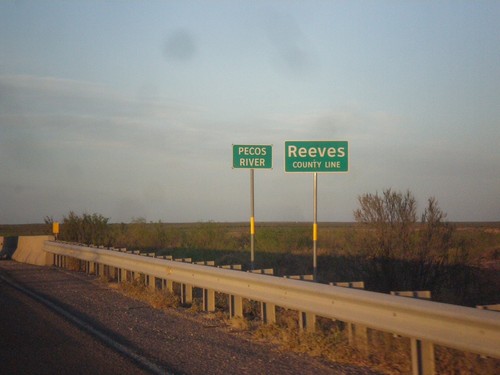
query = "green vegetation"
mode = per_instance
[
  {"x": 388, "y": 248},
  {"x": 85, "y": 228}
]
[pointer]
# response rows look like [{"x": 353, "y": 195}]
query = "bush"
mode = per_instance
[
  {"x": 399, "y": 252},
  {"x": 87, "y": 229}
]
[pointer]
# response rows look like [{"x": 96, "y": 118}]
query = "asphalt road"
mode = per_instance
[
  {"x": 36, "y": 340},
  {"x": 54, "y": 321}
]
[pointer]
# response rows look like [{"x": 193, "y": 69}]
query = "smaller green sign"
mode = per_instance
[{"x": 253, "y": 156}]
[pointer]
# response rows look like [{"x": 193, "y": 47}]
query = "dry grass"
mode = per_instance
[
  {"x": 239, "y": 324},
  {"x": 196, "y": 306},
  {"x": 385, "y": 353},
  {"x": 455, "y": 362},
  {"x": 331, "y": 344},
  {"x": 158, "y": 299}
]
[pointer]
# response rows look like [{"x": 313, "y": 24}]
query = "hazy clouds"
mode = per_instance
[{"x": 138, "y": 121}]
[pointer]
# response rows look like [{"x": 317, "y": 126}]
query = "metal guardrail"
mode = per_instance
[{"x": 468, "y": 329}]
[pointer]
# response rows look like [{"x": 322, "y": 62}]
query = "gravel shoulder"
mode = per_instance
[{"x": 180, "y": 342}]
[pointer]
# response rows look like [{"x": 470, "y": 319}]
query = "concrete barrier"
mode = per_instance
[{"x": 30, "y": 250}]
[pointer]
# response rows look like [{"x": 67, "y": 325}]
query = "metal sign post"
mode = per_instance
[
  {"x": 316, "y": 156},
  {"x": 315, "y": 225},
  {"x": 251, "y": 157},
  {"x": 252, "y": 219}
]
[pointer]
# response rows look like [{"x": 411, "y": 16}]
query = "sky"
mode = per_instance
[{"x": 130, "y": 109}]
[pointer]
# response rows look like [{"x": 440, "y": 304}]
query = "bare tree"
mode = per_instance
[
  {"x": 435, "y": 242},
  {"x": 48, "y": 220},
  {"x": 392, "y": 217},
  {"x": 401, "y": 252}
]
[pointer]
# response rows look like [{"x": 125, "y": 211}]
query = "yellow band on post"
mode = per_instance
[
  {"x": 55, "y": 227},
  {"x": 315, "y": 232},
  {"x": 252, "y": 225}
]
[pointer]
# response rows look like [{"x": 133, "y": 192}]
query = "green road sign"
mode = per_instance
[
  {"x": 316, "y": 156},
  {"x": 253, "y": 156}
]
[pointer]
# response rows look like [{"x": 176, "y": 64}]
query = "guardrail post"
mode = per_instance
[
  {"x": 184, "y": 260},
  {"x": 422, "y": 352},
  {"x": 422, "y": 357},
  {"x": 100, "y": 269},
  {"x": 186, "y": 294},
  {"x": 235, "y": 306},
  {"x": 208, "y": 300},
  {"x": 263, "y": 271},
  {"x": 300, "y": 277},
  {"x": 267, "y": 310},
  {"x": 151, "y": 282},
  {"x": 235, "y": 302},
  {"x": 169, "y": 285},
  {"x": 356, "y": 334},
  {"x": 106, "y": 271},
  {"x": 206, "y": 263},
  {"x": 307, "y": 321},
  {"x": 232, "y": 267}
]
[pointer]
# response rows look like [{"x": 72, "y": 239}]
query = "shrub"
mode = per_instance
[
  {"x": 88, "y": 229},
  {"x": 400, "y": 253}
]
